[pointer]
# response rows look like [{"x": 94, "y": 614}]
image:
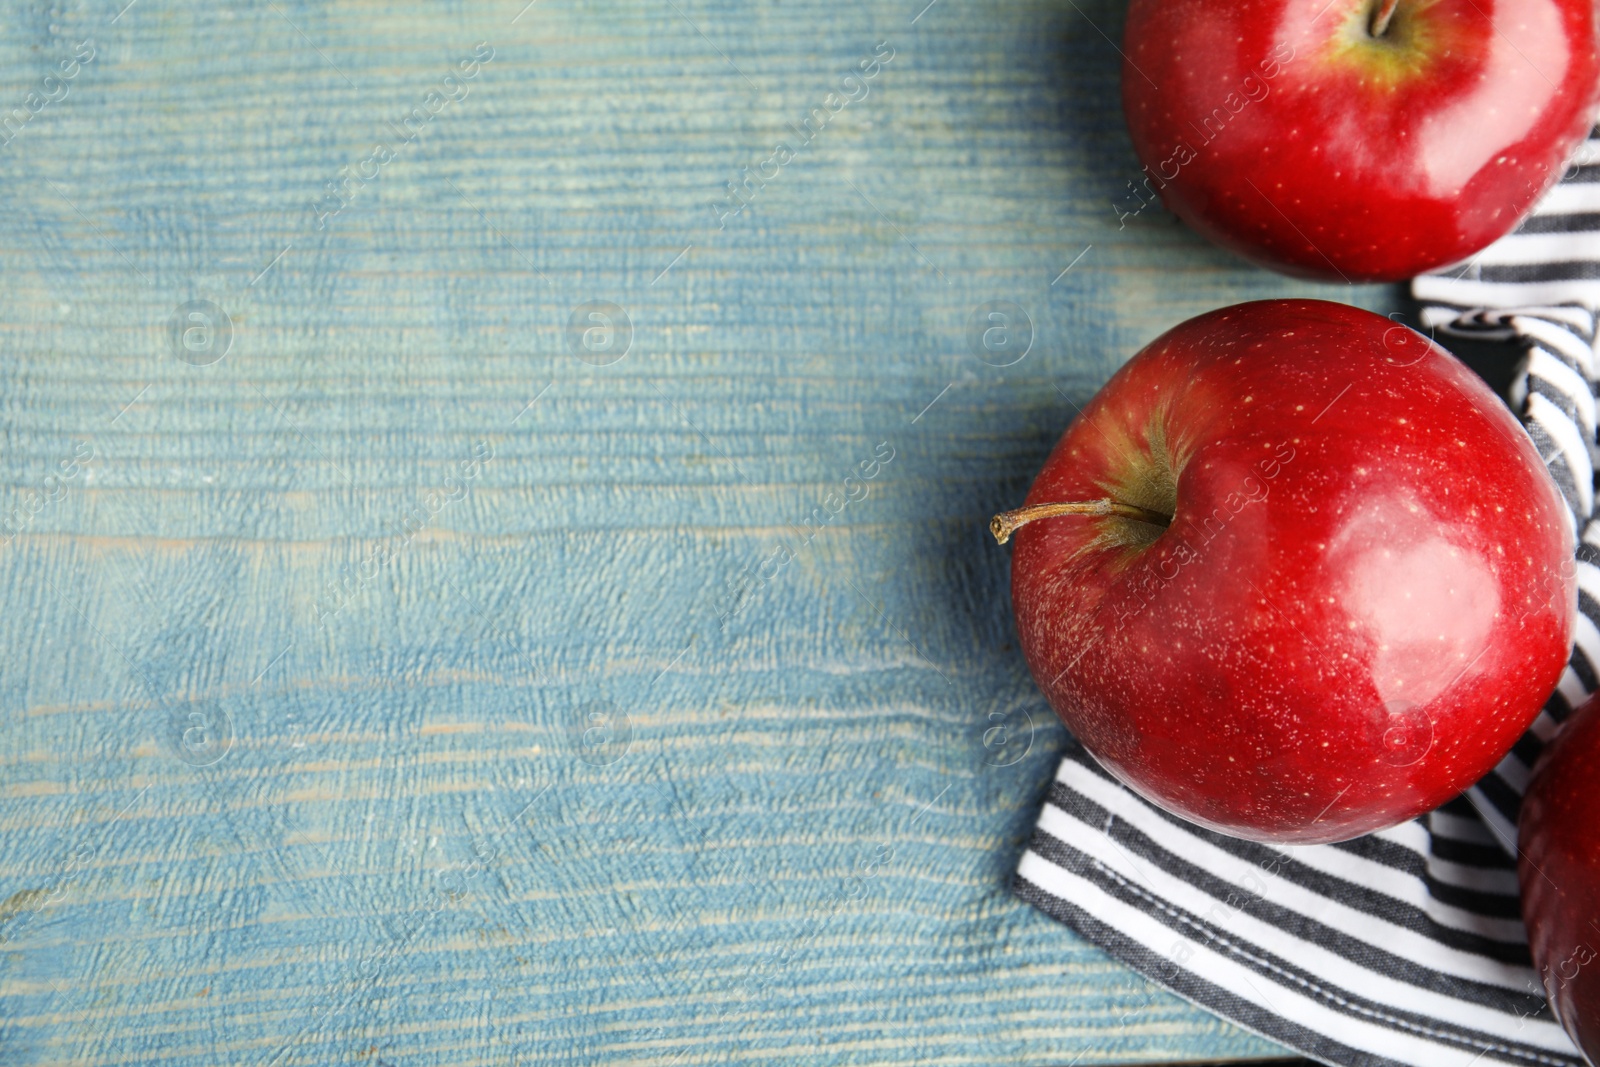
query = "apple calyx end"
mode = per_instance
[{"x": 1003, "y": 525}]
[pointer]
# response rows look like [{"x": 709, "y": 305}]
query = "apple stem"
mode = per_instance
[
  {"x": 1380, "y": 18},
  {"x": 1007, "y": 523}
]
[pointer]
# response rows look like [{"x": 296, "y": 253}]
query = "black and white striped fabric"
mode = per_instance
[{"x": 1406, "y": 946}]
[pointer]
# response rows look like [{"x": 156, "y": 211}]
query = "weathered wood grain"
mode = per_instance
[{"x": 288, "y": 778}]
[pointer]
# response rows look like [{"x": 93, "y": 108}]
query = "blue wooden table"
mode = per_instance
[{"x": 493, "y": 557}]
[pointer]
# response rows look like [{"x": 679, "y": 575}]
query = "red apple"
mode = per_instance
[
  {"x": 1356, "y": 140},
  {"x": 1559, "y": 834},
  {"x": 1313, "y": 580}
]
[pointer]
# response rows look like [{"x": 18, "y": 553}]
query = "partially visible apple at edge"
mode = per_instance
[
  {"x": 1356, "y": 140},
  {"x": 1558, "y": 834}
]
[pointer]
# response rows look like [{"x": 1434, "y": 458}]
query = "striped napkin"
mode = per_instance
[{"x": 1406, "y": 946}]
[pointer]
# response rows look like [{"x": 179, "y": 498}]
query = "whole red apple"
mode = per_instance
[
  {"x": 1559, "y": 834},
  {"x": 1357, "y": 140},
  {"x": 1295, "y": 574}
]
